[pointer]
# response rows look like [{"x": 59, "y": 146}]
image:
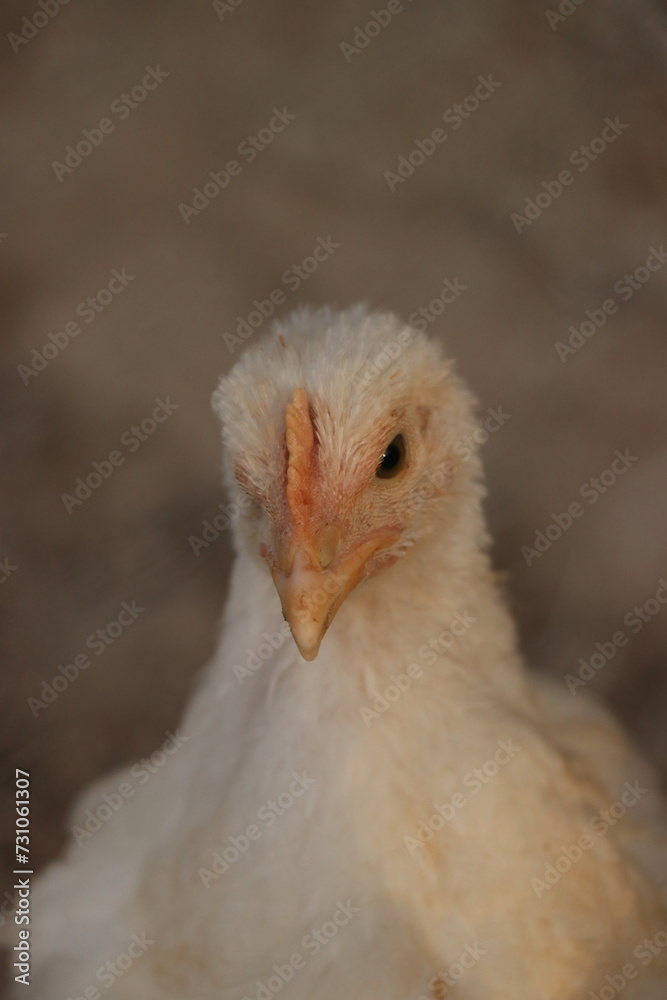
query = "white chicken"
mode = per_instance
[{"x": 410, "y": 817}]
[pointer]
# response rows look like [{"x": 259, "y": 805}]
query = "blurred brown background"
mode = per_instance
[{"x": 322, "y": 176}]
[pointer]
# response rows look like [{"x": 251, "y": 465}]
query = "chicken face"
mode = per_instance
[
  {"x": 334, "y": 534},
  {"x": 345, "y": 473}
]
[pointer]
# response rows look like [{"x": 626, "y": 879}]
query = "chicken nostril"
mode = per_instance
[{"x": 327, "y": 544}]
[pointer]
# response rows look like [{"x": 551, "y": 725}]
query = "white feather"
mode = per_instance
[{"x": 338, "y": 851}]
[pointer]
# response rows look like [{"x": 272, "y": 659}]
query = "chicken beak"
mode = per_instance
[
  {"x": 312, "y": 586},
  {"x": 312, "y": 573}
]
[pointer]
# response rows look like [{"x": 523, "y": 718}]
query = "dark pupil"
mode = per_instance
[{"x": 392, "y": 459}]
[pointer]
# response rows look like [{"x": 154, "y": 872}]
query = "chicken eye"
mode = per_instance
[{"x": 393, "y": 459}]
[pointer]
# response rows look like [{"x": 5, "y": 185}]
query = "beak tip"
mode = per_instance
[
  {"x": 306, "y": 640},
  {"x": 308, "y": 646},
  {"x": 308, "y": 654},
  {"x": 311, "y": 595}
]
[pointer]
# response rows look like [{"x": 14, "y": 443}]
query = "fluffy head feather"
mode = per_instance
[{"x": 308, "y": 413}]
